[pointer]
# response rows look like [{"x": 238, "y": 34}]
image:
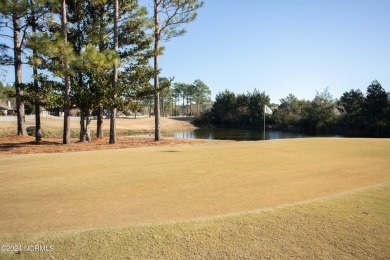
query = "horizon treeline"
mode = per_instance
[{"x": 353, "y": 114}]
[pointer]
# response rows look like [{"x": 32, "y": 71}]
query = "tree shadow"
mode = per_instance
[
  {"x": 184, "y": 119},
  {"x": 12, "y": 146}
]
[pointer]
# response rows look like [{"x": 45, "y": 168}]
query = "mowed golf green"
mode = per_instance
[{"x": 121, "y": 188}]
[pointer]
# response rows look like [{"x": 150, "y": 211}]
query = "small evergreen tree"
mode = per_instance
[{"x": 376, "y": 109}]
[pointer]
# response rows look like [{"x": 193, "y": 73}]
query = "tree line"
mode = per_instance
[
  {"x": 353, "y": 114},
  {"x": 176, "y": 99},
  {"x": 90, "y": 55},
  {"x": 236, "y": 110}
]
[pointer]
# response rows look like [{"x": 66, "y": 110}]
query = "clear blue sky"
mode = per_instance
[{"x": 282, "y": 47}]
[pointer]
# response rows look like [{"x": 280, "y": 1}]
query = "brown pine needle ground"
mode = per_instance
[{"x": 27, "y": 144}]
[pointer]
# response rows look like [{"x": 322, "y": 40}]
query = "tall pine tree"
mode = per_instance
[
  {"x": 169, "y": 16},
  {"x": 13, "y": 17}
]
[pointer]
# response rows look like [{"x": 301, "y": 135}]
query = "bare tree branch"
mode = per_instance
[{"x": 5, "y": 36}]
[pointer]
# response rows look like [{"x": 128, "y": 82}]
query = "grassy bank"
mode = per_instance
[
  {"x": 57, "y": 132},
  {"x": 52, "y": 127},
  {"x": 353, "y": 226}
]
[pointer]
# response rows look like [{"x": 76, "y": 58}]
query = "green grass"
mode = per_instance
[
  {"x": 353, "y": 226},
  {"x": 213, "y": 200},
  {"x": 52, "y": 127},
  {"x": 75, "y": 133},
  {"x": 117, "y": 188}
]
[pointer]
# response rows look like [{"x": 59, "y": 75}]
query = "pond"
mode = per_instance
[{"x": 235, "y": 134}]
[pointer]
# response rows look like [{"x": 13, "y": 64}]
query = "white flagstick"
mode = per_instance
[{"x": 267, "y": 110}]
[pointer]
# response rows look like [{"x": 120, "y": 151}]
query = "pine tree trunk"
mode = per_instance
[
  {"x": 38, "y": 130},
  {"x": 88, "y": 126},
  {"x": 99, "y": 129},
  {"x": 112, "y": 125},
  {"x": 114, "y": 78},
  {"x": 82, "y": 126},
  {"x": 66, "y": 134},
  {"x": 157, "y": 134},
  {"x": 18, "y": 76},
  {"x": 100, "y": 112}
]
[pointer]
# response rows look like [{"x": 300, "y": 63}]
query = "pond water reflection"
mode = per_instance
[{"x": 233, "y": 134}]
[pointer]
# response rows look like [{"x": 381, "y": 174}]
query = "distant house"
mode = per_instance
[{"x": 7, "y": 108}]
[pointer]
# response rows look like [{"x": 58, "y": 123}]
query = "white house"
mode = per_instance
[{"x": 7, "y": 108}]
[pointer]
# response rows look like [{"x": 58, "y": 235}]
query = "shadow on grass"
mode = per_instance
[
  {"x": 184, "y": 119},
  {"x": 17, "y": 145}
]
